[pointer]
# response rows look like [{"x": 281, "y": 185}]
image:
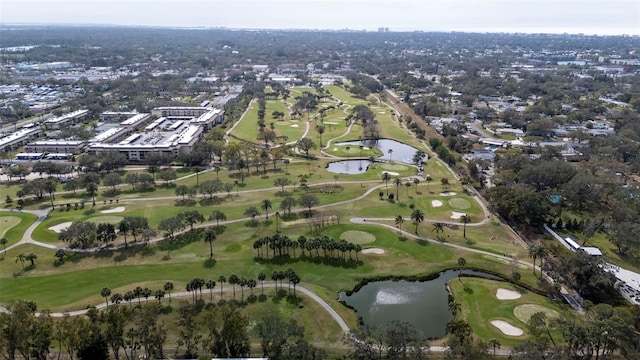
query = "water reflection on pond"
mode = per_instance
[
  {"x": 422, "y": 304},
  {"x": 400, "y": 152},
  {"x": 349, "y": 166}
]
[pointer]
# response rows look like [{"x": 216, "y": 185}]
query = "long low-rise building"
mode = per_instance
[
  {"x": 209, "y": 119},
  {"x": 135, "y": 121},
  {"x": 138, "y": 147},
  {"x": 74, "y": 147},
  {"x": 61, "y": 121},
  {"x": 117, "y": 116},
  {"x": 19, "y": 138},
  {"x": 180, "y": 111}
]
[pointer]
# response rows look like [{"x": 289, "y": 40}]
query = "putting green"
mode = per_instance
[
  {"x": 106, "y": 219},
  {"x": 523, "y": 312},
  {"x": 458, "y": 203},
  {"x": 7, "y": 223},
  {"x": 357, "y": 237},
  {"x": 394, "y": 167}
]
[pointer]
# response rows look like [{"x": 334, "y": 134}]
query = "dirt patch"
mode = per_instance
[
  {"x": 62, "y": 226},
  {"x": 457, "y": 215},
  {"x": 113, "y": 211},
  {"x": 504, "y": 294},
  {"x": 524, "y": 312},
  {"x": 436, "y": 203},
  {"x": 376, "y": 251},
  {"x": 507, "y": 328},
  {"x": 357, "y": 237}
]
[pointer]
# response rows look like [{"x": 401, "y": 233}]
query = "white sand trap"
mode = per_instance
[
  {"x": 436, "y": 203},
  {"x": 504, "y": 294},
  {"x": 58, "y": 228},
  {"x": 507, "y": 328},
  {"x": 114, "y": 210},
  {"x": 335, "y": 149},
  {"x": 294, "y": 125},
  {"x": 391, "y": 173},
  {"x": 376, "y": 251},
  {"x": 380, "y": 112},
  {"x": 447, "y": 193},
  {"x": 330, "y": 122},
  {"x": 457, "y": 215}
]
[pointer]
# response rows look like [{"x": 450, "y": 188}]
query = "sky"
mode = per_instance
[{"x": 602, "y": 17}]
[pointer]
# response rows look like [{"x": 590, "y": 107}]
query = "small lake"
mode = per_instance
[
  {"x": 401, "y": 152},
  {"x": 349, "y": 166},
  {"x": 424, "y": 304}
]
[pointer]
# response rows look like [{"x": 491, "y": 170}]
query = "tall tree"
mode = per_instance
[{"x": 417, "y": 216}]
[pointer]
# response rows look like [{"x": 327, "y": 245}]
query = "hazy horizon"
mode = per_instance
[{"x": 601, "y": 17}]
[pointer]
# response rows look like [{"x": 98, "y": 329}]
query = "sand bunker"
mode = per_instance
[
  {"x": 507, "y": 328},
  {"x": 114, "y": 210},
  {"x": 58, "y": 228},
  {"x": 294, "y": 125},
  {"x": 436, "y": 203},
  {"x": 391, "y": 173},
  {"x": 504, "y": 294},
  {"x": 457, "y": 215},
  {"x": 330, "y": 122},
  {"x": 376, "y": 251},
  {"x": 447, "y": 193}
]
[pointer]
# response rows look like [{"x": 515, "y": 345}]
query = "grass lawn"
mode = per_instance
[
  {"x": 14, "y": 224},
  {"x": 480, "y": 306}
]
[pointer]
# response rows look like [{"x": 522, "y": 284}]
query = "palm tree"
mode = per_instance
[
  {"x": 168, "y": 286},
  {"x": 416, "y": 181},
  {"x": 277, "y": 215},
  {"x": 386, "y": 177},
  {"x": 266, "y": 205},
  {"x": 465, "y": 219},
  {"x": 454, "y": 306},
  {"x": 428, "y": 180},
  {"x": 397, "y": 182},
  {"x": 4, "y": 241},
  {"x": 221, "y": 280},
  {"x": 262, "y": 276},
  {"x": 210, "y": 284},
  {"x": 494, "y": 343},
  {"x": 390, "y": 151},
  {"x": 234, "y": 280},
  {"x": 438, "y": 228},
  {"x": 210, "y": 237},
  {"x": 399, "y": 221},
  {"x": 417, "y": 216},
  {"x": 536, "y": 251},
  {"x": 445, "y": 183},
  {"x": 105, "y": 292}
]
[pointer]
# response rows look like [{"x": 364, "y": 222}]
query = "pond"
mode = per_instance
[
  {"x": 349, "y": 166},
  {"x": 401, "y": 152},
  {"x": 423, "y": 304}
]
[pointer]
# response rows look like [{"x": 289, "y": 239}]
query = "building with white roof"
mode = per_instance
[
  {"x": 135, "y": 121},
  {"x": 19, "y": 138},
  {"x": 74, "y": 147},
  {"x": 60, "y": 121}
]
